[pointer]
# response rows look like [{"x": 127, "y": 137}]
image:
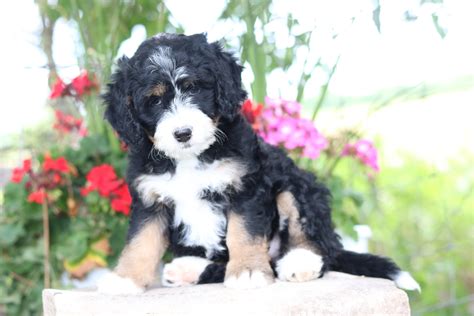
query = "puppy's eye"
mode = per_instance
[
  {"x": 190, "y": 85},
  {"x": 158, "y": 90}
]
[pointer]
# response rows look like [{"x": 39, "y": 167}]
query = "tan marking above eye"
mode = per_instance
[{"x": 158, "y": 90}]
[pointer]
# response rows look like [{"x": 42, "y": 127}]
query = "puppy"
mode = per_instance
[{"x": 230, "y": 207}]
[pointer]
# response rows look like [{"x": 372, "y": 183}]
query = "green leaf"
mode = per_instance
[
  {"x": 10, "y": 233},
  {"x": 376, "y": 15},
  {"x": 439, "y": 28}
]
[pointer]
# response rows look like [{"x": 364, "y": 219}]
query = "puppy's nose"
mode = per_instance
[{"x": 183, "y": 134}]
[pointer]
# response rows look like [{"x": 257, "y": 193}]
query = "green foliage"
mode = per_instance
[
  {"x": 73, "y": 232},
  {"x": 422, "y": 217},
  {"x": 424, "y": 228}
]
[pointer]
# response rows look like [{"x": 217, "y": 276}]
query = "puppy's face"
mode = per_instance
[
  {"x": 177, "y": 103},
  {"x": 177, "y": 89}
]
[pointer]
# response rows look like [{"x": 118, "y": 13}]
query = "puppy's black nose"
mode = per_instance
[{"x": 182, "y": 135}]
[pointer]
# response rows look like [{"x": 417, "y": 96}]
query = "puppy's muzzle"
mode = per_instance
[{"x": 183, "y": 134}]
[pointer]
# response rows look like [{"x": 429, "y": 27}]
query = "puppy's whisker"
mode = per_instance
[
  {"x": 155, "y": 154},
  {"x": 221, "y": 137}
]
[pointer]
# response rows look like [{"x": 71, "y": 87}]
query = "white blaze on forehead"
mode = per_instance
[{"x": 163, "y": 61}]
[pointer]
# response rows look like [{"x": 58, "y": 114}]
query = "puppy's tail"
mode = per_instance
[{"x": 373, "y": 266}]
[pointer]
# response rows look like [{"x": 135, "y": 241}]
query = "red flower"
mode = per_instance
[
  {"x": 59, "y": 165},
  {"x": 56, "y": 178},
  {"x": 103, "y": 179},
  {"x": 37, "y": 196},
  {"x": 123, "y": 146},
  {"x": 19, "y": 172},
  {"x": 82, "y": 84},
  {"x": 252, "y": 112},
  {"x": 86, "y": 190},
  {"x": 67, "y": 123},
  {"x": 27, "y": 165},
  {"x": 59, "y": 89},
  {"x": 122, "y": 200},
  {"x": 17, "y": 175}
]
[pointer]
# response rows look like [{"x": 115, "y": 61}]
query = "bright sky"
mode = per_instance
[{"x": 404, "y": 54}]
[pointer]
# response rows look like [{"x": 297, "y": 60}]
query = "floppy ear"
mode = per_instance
[
  {"x": 119, "y": 106},
  {"x": 229, "y": 92}
]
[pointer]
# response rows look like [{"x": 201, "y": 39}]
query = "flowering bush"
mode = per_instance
[
  {"x": 68, "y": 124},
  {"x": 365, "y": 151},
  {"x": 280, "y": 123},
  {"x": 78, "y": 87},
  {"x": 283, "y": 125},
  {"x": 69, "y": 205},
  {"x": 104, "y": 180}
]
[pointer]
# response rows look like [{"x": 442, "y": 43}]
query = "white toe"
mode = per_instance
[
  {"x": 111, "y": 283},
  {"x": 299, "y": 265},
  {"x": 247, "y": 280},
  {"x": 184, "y": 271}
]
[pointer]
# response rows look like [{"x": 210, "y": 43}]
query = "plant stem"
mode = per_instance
[
  {"x": 331, "y": 168},
  {"x": 46, "y": 266},
  {"x": 324, "y": 90}
]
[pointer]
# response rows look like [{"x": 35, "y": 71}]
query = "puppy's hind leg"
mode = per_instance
[{"x": 302, "y": 262}]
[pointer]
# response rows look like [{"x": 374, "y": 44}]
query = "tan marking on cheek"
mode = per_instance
[
  {"x": 288, "y": 211},
  {"x": 246, "y": 253},
  {"x": 140, "y": 257},
  {"x": 158, "y": 90}
]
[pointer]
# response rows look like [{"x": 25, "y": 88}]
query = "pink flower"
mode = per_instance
[
  {"x": 311, "y": 152},
  {"x": 283, "y": 126},
  {"x": 292, "y": 107},
  {"x": 365, "y": 151}
]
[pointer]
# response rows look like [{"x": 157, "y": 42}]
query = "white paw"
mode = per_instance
[
  {"x": 248, "y": 280},
  {"x": 111, "y": 283},
  {"x": 299, "y": 265},
  {"x": 183, "y": 271},
  {"x": 405, "y": 281}
]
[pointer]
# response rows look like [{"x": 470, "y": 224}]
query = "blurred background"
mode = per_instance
[{"x": 386, "y": 86}]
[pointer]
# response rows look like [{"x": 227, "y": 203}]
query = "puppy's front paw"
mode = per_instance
[
  {"x": 299, "y": 265},
  {"x": 112, "y": 283},
  {"x": 184, "y": 271},
  {"x": 248, "y": 277}
]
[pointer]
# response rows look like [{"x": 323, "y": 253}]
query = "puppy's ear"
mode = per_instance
[
  {"x": 229, "y": 92},
  {"x": 119, "y": 106}
]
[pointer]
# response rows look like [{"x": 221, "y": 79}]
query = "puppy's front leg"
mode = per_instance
[
  {"x": 136, "y": 268},
  {"x": 249, "y": 262}
]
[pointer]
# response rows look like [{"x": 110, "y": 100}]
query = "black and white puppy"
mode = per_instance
[{"x": 230, "y": 207}]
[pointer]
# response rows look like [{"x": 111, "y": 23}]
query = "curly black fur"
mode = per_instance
[{"x": 133, "y": 114}]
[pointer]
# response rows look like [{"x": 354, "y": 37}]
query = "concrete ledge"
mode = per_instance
[{"x": 335, "y": 294}]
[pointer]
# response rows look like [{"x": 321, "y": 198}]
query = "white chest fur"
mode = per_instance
[{"x": 204, "y": 223}]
